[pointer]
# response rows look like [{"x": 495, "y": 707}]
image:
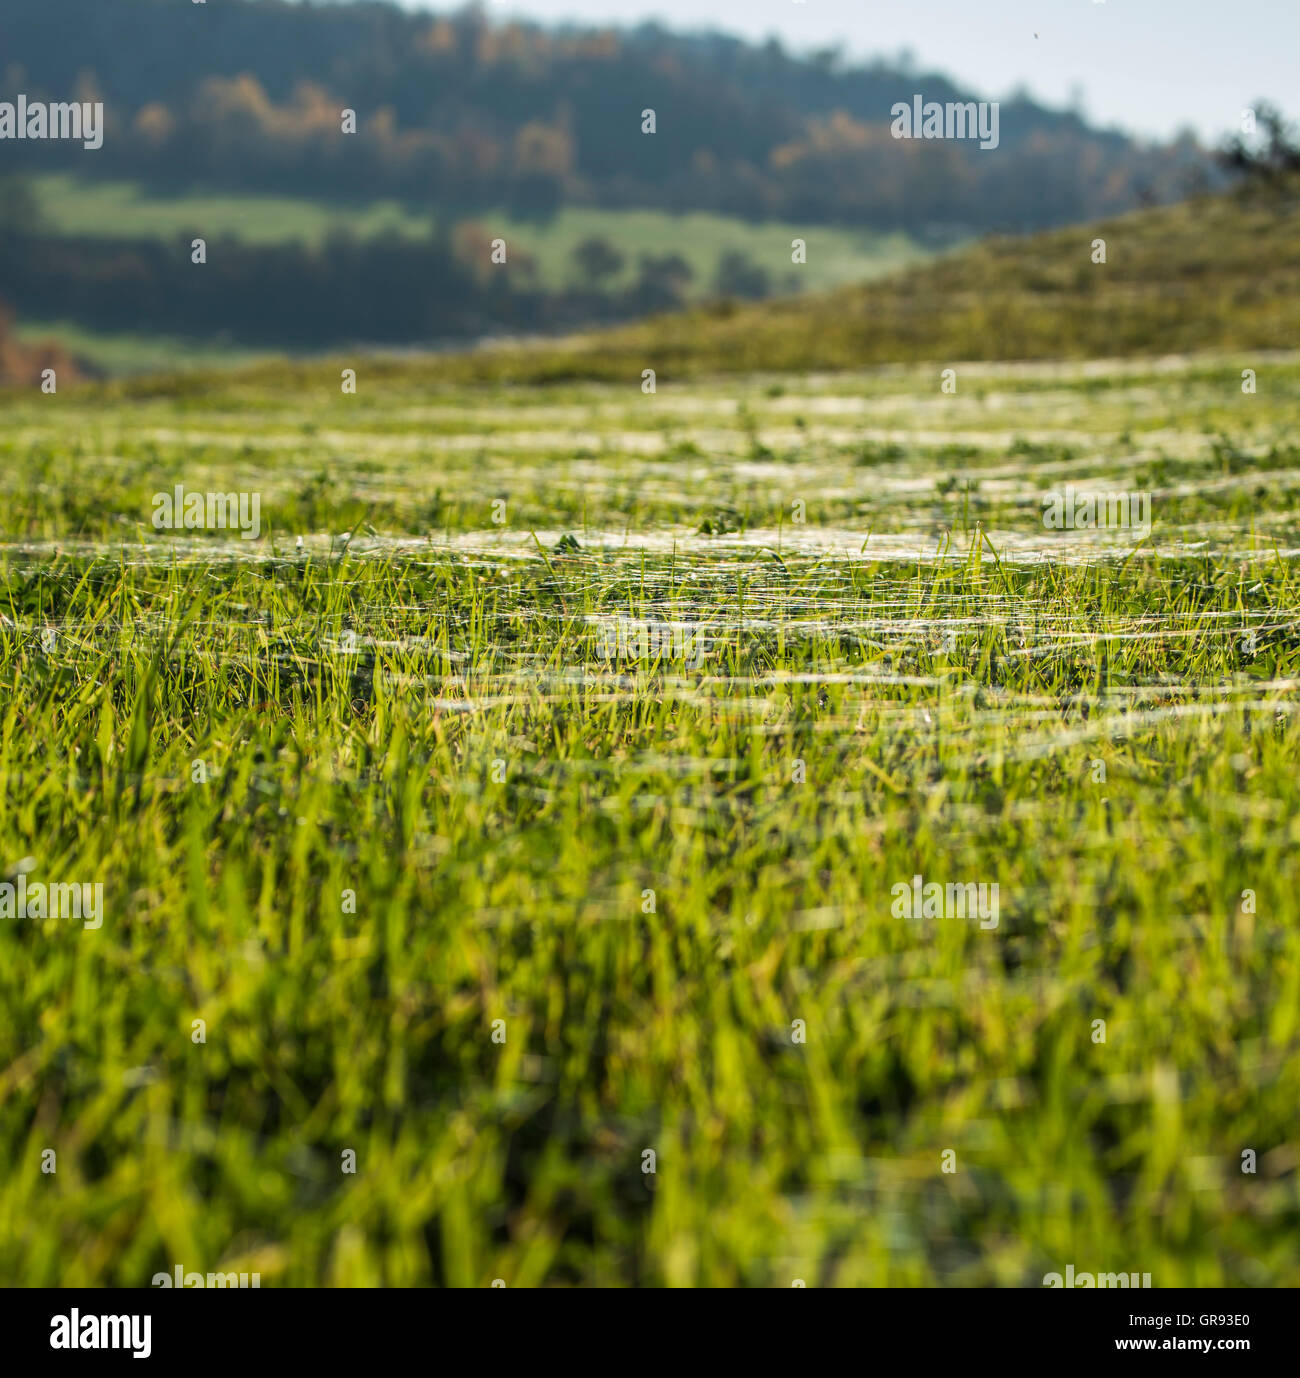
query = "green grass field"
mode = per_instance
[
  {"x": 835, "y": 255},
  {"x": 464, "y": 877}
]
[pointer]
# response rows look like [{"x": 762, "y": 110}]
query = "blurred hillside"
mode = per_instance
[
  {"x": 480, "y": 114},
  {"x": 1217, "y": 273},
  {"x": 499, "y": 182}
]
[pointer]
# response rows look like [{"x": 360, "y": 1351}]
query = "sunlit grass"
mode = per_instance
[{"x": 650, "y": 870}]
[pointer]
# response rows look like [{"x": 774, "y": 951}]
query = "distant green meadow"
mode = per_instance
[
  {"x": 719, "y": 836},
  {"x": 72, "y": 206}
]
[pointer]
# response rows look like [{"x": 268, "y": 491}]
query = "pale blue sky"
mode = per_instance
[{"x": 1151, "y": 66}]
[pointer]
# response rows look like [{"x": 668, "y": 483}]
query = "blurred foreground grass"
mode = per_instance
[{"x": 354, "y": 800}]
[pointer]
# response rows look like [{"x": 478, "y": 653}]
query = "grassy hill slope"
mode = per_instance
[{"x": 1214, "y": 273}]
